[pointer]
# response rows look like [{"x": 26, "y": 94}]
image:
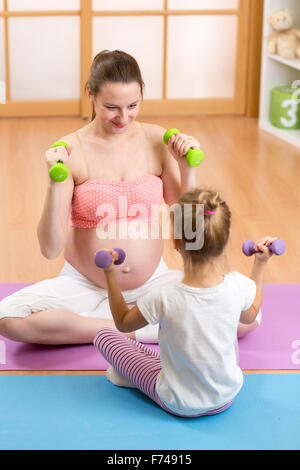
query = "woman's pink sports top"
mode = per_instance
[{"x": 99, "y": 202}]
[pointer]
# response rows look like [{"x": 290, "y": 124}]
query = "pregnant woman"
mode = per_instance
[{"x": 116, "y": 165}]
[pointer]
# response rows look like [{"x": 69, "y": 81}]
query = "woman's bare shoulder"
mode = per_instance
[
  {"x": 154, "y": 131},
  {"x": 73, "y": 137},
  {"x": 155, "y": 135},
  {"x": 76, "y": 160}
]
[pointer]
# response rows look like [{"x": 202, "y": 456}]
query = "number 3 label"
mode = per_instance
[
  {"x": 292, "y": 113},
  {"x": 296, "y": 354}
]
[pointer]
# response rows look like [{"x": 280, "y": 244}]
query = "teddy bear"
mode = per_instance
[{"x": 284, "y": 40}]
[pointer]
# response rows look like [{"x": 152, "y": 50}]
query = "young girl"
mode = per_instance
[{"x": 196, "y": 372}]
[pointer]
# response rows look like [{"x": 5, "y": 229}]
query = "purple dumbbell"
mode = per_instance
[
  {"x": 277, "y": 247},
  {"x": 103, "y": 257}
]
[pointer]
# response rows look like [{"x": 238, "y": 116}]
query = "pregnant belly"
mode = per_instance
[{"x": 142, "y": 256}]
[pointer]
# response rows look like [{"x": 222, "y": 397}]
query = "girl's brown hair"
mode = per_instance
[
  {"x": 216, "y": 226},
  {"x": 113, "y": 66}
]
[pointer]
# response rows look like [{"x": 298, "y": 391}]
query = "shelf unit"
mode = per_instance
[{"x": 276, "y": 71}]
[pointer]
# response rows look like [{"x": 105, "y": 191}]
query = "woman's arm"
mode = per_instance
[
  {"x": 177, "y": 176},
  {"x": 53, "y": 225}
]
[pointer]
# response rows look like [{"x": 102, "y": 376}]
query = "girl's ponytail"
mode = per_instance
[{"x": 216, "y": 225}]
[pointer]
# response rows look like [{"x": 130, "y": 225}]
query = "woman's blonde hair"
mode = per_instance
[
  {"x": 113, "y": 67},
  {"x": 215, "y": 227}
]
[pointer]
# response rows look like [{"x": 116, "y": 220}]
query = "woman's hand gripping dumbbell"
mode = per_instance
[
  {"x": 56, "y": 157},
  {"x": 275, "y": 245},
  {"x": 104, "y": 258},
  {"x": 194, "y": 156}
]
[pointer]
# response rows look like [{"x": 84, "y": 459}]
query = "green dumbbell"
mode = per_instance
[
  {"x": 59, "y": 172},
  {"x": 193, "y": 157}
]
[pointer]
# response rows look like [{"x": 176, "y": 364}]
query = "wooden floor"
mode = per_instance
[{"x": 257, "y": 174}]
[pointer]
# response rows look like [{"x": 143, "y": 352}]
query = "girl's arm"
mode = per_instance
[
  {"x": 257, "y": 274},
  {"x": 126, "y": 317},
  {"x": 262, "y": 256}
]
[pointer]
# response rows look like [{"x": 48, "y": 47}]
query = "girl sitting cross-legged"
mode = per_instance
[{"x": 196, "y": 371}]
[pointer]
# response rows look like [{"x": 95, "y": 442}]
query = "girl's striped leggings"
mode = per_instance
[{"x": 137, "y": 363}]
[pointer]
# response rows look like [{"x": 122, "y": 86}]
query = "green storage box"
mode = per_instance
[{"x": 284, "y": 110}]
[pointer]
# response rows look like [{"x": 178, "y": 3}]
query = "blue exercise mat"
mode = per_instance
[{"x": 86, "y": 412}]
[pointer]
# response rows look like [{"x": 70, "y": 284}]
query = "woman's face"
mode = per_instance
[{"x": 117, "y": 105}]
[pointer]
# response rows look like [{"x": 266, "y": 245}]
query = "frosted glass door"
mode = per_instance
[
  {"x": 43, "y": 5},
  {"x": 2, "y": 63},
  {"x": 141, "y": 37},
  {"x": 201, "y": 65},
  {"x": 203, "y": 4},
  {"x": 2, "y": 52},
  {"x": 192, "y": 53},
  {"x": 47, "y": 68},
  {"x": 117, "y": 5}
]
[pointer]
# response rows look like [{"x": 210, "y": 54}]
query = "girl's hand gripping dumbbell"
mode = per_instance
[
  {"x": 104, "y": 258},
  {"x": 264, "y": 248}
]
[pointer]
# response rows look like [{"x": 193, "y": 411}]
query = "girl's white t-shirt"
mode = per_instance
[{"x": 197, "y": 341}]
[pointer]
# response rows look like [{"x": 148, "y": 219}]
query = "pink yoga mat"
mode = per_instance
[{"x": 274, "y": 345}]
